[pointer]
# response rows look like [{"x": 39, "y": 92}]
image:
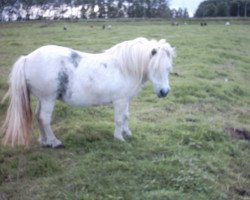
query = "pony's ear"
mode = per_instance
[
  {"x": 162, "y": 41},
  {"x": 171, "y": 52},
  {"x": 153, "y": 52}
]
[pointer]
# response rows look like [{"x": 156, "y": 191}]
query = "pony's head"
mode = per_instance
[
  {"x": 160, "y": 65},
  {"x": 142, "y": 59}
]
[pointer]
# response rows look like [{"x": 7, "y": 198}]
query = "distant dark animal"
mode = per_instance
[
  {"x": 103, "y": 27},
  {"x": 65, "y": 28},
  {"x": 44, "y": 25},
  {"x": 203, "y": 24},
  {"x": 175, "y": 24}
]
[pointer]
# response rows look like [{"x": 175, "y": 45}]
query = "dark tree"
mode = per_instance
[{"x": 222, "y": 8}]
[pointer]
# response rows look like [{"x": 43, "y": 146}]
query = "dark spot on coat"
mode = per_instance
[
  {"x": 104, "y": 65},
  {"x": 75, "y": 58},
  {"x": 63, "y": 80},
  {"x": 91, "y": 78},
  {"x": 153, "y": 52}
]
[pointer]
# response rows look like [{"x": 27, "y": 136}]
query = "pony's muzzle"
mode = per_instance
[{"x": 163, "y": 93}]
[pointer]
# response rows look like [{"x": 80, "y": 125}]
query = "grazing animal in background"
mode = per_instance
[
  {"x": 175, "y": 24},
  {"x": 203, "y": 24},
  {"x": 227, "y": 24},
  {"x": 109, "y": 27},
  {"x": 81, "y": 79},
  {"x": 103, "y": 27},
  {"x": 65, "y": 28}
]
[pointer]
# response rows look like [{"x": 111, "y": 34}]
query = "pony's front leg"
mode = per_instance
[
  {"x": 121, "y": 120},
  {"x": 126, "y": 131}
]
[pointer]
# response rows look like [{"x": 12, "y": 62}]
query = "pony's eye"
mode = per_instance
[{"x": 153, "y": 52}]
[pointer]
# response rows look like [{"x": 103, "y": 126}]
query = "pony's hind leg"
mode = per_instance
[{"x": 43, "y": 113}]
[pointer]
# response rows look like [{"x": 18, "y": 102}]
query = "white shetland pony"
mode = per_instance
[{"x": 83, "y": 79}]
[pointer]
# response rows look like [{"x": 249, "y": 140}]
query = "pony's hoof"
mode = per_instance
[
  {"x": 54, "y": 143},
  {"x": 59, "y": 146},
  {"x": 127, "y": 135},
  {"x": 119, "y": 138}
]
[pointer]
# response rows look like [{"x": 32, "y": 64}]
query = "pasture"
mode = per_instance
[{"x": 194, "y": 144}]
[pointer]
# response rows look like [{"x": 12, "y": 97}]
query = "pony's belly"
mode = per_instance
[
  {"x": 99, "y": 91},
  {"x": 87, "y": 100}
]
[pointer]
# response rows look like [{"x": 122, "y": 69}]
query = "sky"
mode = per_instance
[{"x": 191, "y": 5}]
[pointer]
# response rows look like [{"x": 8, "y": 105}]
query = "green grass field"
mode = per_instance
[{"x": 181, "y": 146}]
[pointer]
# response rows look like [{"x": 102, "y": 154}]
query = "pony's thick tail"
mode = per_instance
[{"x": 19, "y": 114}]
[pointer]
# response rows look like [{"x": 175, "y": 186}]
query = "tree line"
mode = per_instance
[
  {"x": 224, "y": 8},
  {"x": 102, "y": 8}
]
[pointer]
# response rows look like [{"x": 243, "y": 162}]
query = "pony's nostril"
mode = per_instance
[{"x": 163, "y": 93}]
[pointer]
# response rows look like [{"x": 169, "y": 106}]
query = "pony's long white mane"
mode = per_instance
[{"x": 134, "y": 56}]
